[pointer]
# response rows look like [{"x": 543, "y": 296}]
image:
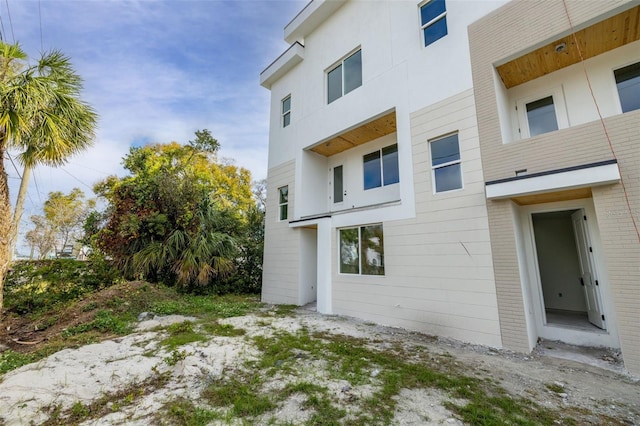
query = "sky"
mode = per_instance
[{"x": 155, "y": 71}]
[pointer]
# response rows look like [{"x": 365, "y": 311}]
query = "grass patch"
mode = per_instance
[
  {"x": 180, "y": 334},
  {"x": 240, "y": 392},
  {"x": 10, "y": 360},
  {"x": 223, "y": 329},
  {"x": 183, "y": 412},
  {"x": 105, "y": 322},
  {"x": 554, "y": 387},
  {"x": 226, "y": 306}
]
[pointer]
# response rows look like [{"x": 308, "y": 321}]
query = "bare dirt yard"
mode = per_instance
[{"x": 288, "y": 366}]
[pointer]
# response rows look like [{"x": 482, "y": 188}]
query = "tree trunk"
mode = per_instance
[
  {"x": 5, "y": 219},
  {"x": 17, "y": 213}
]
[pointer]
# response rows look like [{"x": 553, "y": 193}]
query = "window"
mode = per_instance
[
  {"x": 338, "y": 191},
  {"x": 433, "y": 18},
  {"x": 286, "y": 111},
  {"x": 541, "y": 116},
  {"x": 381, "y": 167},
  {"x": 362, "y": 250},
  {"x": 628, "y": 83},
  {"x": 345, "y": 77},
  {"x": 283, "y": 203},
  {"x": 445, "y": 162}
]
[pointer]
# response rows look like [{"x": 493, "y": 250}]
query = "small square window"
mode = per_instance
[
  {"x": 541, "y": 116},
  {"x": 283, "y": 203},
  {"x": 445, "y": 163},
  {"x": 345, "y": 77},
  {"x": 286, "y": 111},
  {"x": 628, "y": 84},
  {"x": 433, "y": 20},
  {"x": 362, "y": 250},
  {"x": 381, "y": 167}
]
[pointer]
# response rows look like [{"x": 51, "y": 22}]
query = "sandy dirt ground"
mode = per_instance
[{"x": 592, "y": 380}]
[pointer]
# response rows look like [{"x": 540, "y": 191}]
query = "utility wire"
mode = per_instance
[
  {"x": 40, "y": 16},
  {"x": 10, "y": 21},
  {"x": 61, "y": 168},
  {"x": 604, "y": 126},
  {"x": 1, "y": 29}
]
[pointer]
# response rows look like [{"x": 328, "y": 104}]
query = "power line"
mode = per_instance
[
  {"x": 35, "y": 181},
  {"x": 61, "y": 168},
  {"x": 40, "y": 16},
  {"x": 10, "y": 21},
  {"x": 2, "y": 32}
]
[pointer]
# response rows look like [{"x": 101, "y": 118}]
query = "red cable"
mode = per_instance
[{"x": 604, "y": 127}]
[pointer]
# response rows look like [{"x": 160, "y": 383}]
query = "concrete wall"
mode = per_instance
[{"x": 518, "y": 27}]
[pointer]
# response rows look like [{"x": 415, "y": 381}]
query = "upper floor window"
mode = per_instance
[
  {"x": 541, "y": 116},
  {"x": 445, "y": 163},
  {"x": 283, "y": 203},
  {"x": 433, "y": 18},
  {"x": 362, "y": 250},
  {"x": 286, "y": 111},
  {"x": 344, "y": 77},
  {"x": 381, "y": 167},
  {"x": 628, "y": 83}
]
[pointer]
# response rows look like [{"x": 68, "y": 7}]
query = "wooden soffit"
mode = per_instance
[
  {"x": 550, "y": 197},
  {"x": 362, "y": 134},
  {"x": 599, "y": 38}
]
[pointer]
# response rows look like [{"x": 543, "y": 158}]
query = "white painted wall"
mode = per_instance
[
  {"x": 576, "y": 105},
  {"x": 308, "y": 266}
]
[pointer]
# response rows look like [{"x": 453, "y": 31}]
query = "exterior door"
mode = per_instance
[{"x": 587, "y": 276}]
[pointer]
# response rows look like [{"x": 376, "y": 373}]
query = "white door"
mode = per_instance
[{"x": 587, "y": 277}]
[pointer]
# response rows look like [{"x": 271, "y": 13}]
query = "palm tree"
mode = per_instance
[{"x": 42, "y": 117}]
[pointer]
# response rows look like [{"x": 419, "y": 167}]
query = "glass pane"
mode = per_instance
[
  {"x": 541, "y": 115},
  {"x": 435, "y": 31},
  {"x": 353, "y": 72},
  {"x": 628, "y": 82},
  {"x": 390, "y": 164},
  {"x": 372, "y": 250},
  {"x": 349, "y": 260},
  {"x": 334, "y": 83},
  {"x": 284, "y": 194},
  {"x": 284, "y": 211},
  {"x": 445, "y": 150},
  {"x": 448, "y": 178},
  {"x": 286, "y": 105},
  {"x": 337, "y": 185},
  {"x": 432, "y": 10},
  {"x": 372, "y": 172},
  {"x": 286, "y": 119}
]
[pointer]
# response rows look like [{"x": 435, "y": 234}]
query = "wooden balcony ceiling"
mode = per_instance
[
  {"x": 599, "y": 38},
  {"x": 362, "y": 134}
]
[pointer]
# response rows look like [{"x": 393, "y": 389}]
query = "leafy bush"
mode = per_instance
[{"x": 33, "y": 285}]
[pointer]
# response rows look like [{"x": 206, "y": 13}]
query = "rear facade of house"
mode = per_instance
[{"x": 380, "y": 205}]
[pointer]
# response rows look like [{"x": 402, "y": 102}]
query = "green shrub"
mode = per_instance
[{"x": 33, "y": 285}]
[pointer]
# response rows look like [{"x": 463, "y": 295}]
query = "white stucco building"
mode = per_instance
[{"x": 378, "y": 205}]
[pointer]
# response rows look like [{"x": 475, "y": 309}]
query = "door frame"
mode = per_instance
[{"x": 532, "y": 286}]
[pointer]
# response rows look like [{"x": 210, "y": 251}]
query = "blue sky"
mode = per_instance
[{"x": 156, "y": 71}]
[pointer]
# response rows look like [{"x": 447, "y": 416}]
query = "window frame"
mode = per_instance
[
  {"x": 562, "y": 119},
  {"x": 381, "y": 163},
  {"x": 617, "y": 88},
  {"x": 359, "y": 248},
  {"x": 285, "y": 113},
  {"x": 281, "y": 204},
  {"x": 447, "y": 164},
  {"x": 431, "y": 22},
  {"x": 341, "y": 64}
]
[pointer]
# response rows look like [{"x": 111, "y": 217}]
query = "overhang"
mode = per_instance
[
  {"x": 309, "y": 18},
  {"x": 601, "y": 37},
  {"x": 360, "y": 134},
  {"x": 570, "y": 178},
  {"x": 282, "y": 65}
]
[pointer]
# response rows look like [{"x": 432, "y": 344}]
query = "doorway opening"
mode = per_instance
[{"x": 566, "y": 270}]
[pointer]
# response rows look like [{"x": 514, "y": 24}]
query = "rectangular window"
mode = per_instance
[
  {"x": 433, "y": 20},
  {"x": 286, "y": 111},
  {"x": 283, "y": 202},
  {"x": 628, "y": 83},
  {"x": 345, "y": 77},
  {"x": 381, "y": 167},
  {"x": 338, "y": 192},
  {"x": 541, "y": 116},
  {"x": 362, "y": 250},
  {"x": 445, "y": 162}
]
